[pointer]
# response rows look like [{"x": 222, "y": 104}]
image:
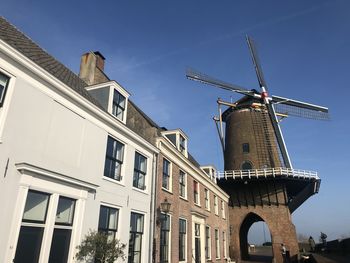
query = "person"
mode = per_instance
[
  {"x": 324, "y": 241},
  {"x": 284, "y": 253},
  {"x": 312, "y": 244}
]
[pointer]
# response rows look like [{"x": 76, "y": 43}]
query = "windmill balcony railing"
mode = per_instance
[{"x": 267, "y": 173}]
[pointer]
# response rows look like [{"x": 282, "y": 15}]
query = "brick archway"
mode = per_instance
[
  {"x": 279, "y": 222},
  {"x": 249, "y": 220}
]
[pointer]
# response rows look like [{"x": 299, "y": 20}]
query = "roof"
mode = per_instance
[
  {"x": 19, "y": 41},
  {"x": 27, "y": 47}
]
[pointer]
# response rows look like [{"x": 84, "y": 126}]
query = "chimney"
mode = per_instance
[
  {"x": 91, "y": 68},
  {"x": 100, "y": 60}
]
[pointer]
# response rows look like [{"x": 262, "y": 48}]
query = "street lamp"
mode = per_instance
[{"x": 165, "y": 206}]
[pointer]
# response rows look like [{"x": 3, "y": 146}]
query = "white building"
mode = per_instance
[{"x": 68, "y": 162}]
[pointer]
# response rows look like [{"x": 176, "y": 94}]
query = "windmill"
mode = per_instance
[
  {"x": 258, "y": 170},
  {"x": 275, "y": 105}
]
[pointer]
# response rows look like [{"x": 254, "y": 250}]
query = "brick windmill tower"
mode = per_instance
[{"x": 258, "y": 176}]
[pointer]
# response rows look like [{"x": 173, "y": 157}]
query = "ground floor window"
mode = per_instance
[
  {"x": 108, "y": 221},
  {"x": 34, "y": 225},
  {"x": 182, "y": 239},
  {"x": 217, "y": 243},
  {"x": 164, "y": 239},
  {"x": 135, "y": 239},
  {"x": 207, "y": 243}
]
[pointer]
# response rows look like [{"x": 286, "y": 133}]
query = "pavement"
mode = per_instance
[
  {"x": 260, "y": 255},
  {"x": 329, "y": 258}
]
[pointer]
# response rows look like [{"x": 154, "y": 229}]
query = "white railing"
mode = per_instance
[{"x": 267, "y": 172}]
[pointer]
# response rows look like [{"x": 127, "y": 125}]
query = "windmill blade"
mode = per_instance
[
  {"x": 279, "y": 136},
  {"x": 256, "y": 62},
  {"x": 299, "y": 108},
  {"x": 197, "y": 76}
]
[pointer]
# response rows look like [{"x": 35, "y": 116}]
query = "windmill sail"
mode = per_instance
[
  {"x": 299, "y": 109},
  {"x": 198, "y": 76}
]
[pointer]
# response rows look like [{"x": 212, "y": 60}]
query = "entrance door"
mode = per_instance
[{"x": 197, "y": 243}]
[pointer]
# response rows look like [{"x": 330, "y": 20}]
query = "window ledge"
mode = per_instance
[
  {"x": 114, "y": 181},
  {"x": 166, "y": 190},
  {"x": 140, "y": 190},
  {"x": 197, "y": 205},
  {"x": 184, "y": 199}
]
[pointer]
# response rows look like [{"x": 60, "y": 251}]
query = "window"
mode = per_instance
[
  {"x": 108, "y": 221},
  {"x": 140, "y": 168},
  {"x": 247, "y": 165},
  {"x": 217, "y": 243},
  {"x": 182, "y": 240},
  {"x": 164, "y": 239},
  {"x": 224, "y": 243},
  {"x": 182, "y": 144},
  {"x": 62, "y": 230},
  {"x": 207, "y": 243},
  {"x": 245, "y": 147},
  {"x": 33, "y": 225},
  {"x": 135, "y": 239},
  {"x": 216, "y": 208},
  {"x": 118, "y": 107},
  {"x": 223, "y": 209},
  {"x": 166, "y": 174},
  {"x": 207, "y": 201},
  {"x": 4, "y": 80},
  {"x": 196, "y": 192},
  {"x": 114, "y": 159},
  {"x": 182, "y": 184}
]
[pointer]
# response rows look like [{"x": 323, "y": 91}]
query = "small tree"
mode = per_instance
[{"x": 97, "y": 248}]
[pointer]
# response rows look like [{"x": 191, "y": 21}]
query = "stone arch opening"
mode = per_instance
[{"x": 258, "y": 253}]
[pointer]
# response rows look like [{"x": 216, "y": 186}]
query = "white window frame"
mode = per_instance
[
  {"x": 216, "y": 205},
  {"x": 145, "y": 175},
  {"x": 224, "y": 243},
  {"x": 186, "y": 237},
  {"x": 7, "y": 99},
  {"x": 117, "y": 233},
  {"x": 198, "y": 203},
  {"x": 122, "y": 171},
  {"x": 185, "y": 179},
  {"x": 217, "y": 243},
  {"x": 170, "y": 237},
  {"x": 207, "y": 198},
  {"x": 170, "y": 182},
  {"x": 209, "y": 241},
  {"x": 223, "y": 212}
]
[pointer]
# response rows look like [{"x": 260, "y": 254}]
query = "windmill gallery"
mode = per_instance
[{"x": 79, "y": 155}]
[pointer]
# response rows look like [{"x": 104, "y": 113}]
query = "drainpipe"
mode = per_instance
[{"x": 153, "y": 207}]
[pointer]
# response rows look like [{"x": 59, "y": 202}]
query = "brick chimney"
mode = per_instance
[{"x": 91, "y": 68}]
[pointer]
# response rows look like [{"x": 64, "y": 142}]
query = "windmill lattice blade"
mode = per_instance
[
  {"x": 301, "y": 112},
  {"x": 299, "y": 108},
  {"x": 197, "y": 76},
  {"x": 256, "y": 62}
]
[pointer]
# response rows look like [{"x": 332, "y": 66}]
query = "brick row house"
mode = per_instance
[
  {"x": 76, "y": 154},
  {"x": 196, "y": 227}
]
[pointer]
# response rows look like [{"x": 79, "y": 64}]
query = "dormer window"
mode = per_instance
[
  {"x": 178, "y": 139},
  {"x": 182, "y": 144},
  {"x": 210, "y": 171},
  {"x": 118, "y": 106},
  {"x": 112, "y": 97}
]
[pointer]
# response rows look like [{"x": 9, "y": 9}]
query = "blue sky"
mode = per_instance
[{"x": 304, "y": 52}]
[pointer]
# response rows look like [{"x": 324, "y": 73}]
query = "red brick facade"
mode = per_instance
[{"x": 186, "y": 208}]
